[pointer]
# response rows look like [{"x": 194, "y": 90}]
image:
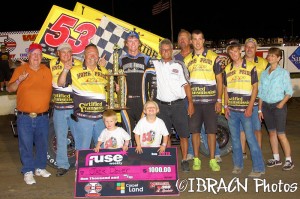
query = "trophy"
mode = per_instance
[{"x": 116, "y": 100}]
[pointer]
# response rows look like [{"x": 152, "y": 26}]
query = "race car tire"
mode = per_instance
[{"x": 223, "y": 138}]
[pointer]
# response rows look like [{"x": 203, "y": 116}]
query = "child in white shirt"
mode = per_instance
[
  {"x": 112, "y": 136},
  {"x": 150, "y": 130}
]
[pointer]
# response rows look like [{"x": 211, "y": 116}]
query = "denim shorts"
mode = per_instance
[{"x": 274, "y": 117}]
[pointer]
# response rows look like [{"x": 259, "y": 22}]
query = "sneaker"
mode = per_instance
[
  {"x": 214, "y": 165},
  {"x": 273, "y": 163},
  {"x": 288, "y": 165},
  {"x": 255, "y": 174},
  {"x": 61, "y": 172},
  {"x": 189, "y": 157},
  {"x": 42, "y": 172},
  {"x": 218, "y": 158},
  {"x": 236, "y": 170},
  {"x": 185, "y": 166},
  {"x": 245, "y": 156},
  {"x": 197, "y": 164},
  {"x": 28, "y": 178}
]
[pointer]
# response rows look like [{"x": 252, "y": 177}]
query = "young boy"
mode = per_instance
[
  {"x": 112, "y": 136},
  {"x": 240, "y": 90},
  {"x": 150, "y": 129}
]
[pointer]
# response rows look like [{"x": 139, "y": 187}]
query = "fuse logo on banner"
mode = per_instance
[{"x": 108, "y": 157}]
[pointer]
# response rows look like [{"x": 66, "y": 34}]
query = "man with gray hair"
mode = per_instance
[
  {"x": 62, "y": 106},
  {"x": 172, "y": 88},
  {"x": 32, "y": 82}
]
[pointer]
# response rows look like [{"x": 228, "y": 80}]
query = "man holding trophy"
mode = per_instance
[{"x": 133, "y": 63}]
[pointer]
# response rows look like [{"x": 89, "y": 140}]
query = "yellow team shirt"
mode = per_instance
[
  {"x": 89, "y": 94},
  {"x": 61, "y": 96},
  {"x": 260, "y": 64},
  {"x": 239, "y": 81},
  {"x": 203, "y": 70}
]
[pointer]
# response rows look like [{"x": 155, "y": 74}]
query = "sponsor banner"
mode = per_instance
[
  {"x": 113, "y": 172},
  {"x": 149, "y": 40},
  {"x": 295, "y": 58},
  {"x": 17, "y": 43},
  {"x": 62, "y": 25}
]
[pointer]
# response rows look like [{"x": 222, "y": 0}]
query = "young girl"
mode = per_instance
[
  {"x": 150, "y": 129},
  {"x": 274, "y": 91},
  {"x": 112, "y": 136}
]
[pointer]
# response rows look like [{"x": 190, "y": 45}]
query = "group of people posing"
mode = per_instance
[
  {"x": 254, "y": 89},
  {"x": 182, "y": 92}
]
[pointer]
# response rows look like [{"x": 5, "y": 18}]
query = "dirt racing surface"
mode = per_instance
[{"x": 194, "y": 184}]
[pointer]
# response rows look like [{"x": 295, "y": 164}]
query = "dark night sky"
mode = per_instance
[{"x": 217, "y": 20}]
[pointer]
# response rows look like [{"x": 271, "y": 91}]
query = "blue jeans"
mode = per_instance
[
  {"x": 235, "y": 119},
  {"x": 204, "y": 137},
  {"x": 190, "y": 146},
  {"x": 86, "y": 131},
  {"x": 255, "y": 120},
  {"x": 33, "y": 132},
  {"x": 62, "y": 122}
]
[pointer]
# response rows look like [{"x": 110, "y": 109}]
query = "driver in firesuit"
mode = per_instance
[{"x": 134, "y": 63}]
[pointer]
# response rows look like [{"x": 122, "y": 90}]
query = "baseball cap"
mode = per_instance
[
  {"x": 233, "y": 44},
  {"x": 251, "y": 40},
  {"x": 133, "y": 34},
  {"x": 64, "y": 45},
  {"x": 34, "y": 46}
]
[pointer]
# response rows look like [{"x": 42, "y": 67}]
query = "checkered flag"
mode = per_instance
[{"x": 107, "y": 35}]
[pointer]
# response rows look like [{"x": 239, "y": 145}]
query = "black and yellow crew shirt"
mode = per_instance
[
  {"x": 89, "y": 94},
  {"x": 239, "y": 81},
  {"x": 203, "y": 70},
  {"x": 61, "y": 96},
  {"x": 260, "y": 64}
]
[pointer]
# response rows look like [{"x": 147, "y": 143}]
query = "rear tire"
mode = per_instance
[{"x": 223, "y": 138}]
